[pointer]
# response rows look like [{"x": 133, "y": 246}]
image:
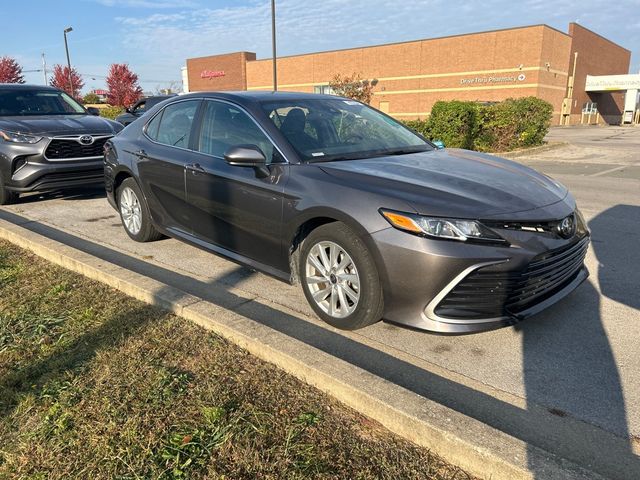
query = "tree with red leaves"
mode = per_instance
[
  {"x": 123, "y": 86},
  {"x": 60, "y": 79},
  {"x": 10, "y": 71}
]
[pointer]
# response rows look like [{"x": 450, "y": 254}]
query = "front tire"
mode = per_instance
[
  {"x": 7, "y": 197},
  {"x": 134, "y": 213},
  {"x": 340, "y": 279}
]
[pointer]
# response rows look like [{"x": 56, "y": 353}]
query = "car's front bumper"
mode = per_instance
[
  {"x": 26, "y": 168},
  {"x": 420, "y": 273},
  {"x": 42, "y": 177}
]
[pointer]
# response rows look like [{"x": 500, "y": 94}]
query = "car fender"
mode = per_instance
[{"x": 292, "y": 232}]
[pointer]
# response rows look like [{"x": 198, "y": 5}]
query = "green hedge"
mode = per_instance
[
  {"x": 503, "y": 126},
  {"x": 111, "y": 112}
]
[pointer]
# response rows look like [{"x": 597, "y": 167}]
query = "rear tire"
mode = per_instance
[
  {"x": 7, "y": 197},
  {"x": 340, "y": 278},
  {"x": 134, "y": 213}
]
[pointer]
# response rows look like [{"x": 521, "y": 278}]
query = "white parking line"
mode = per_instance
[{"x": 610, "y": 170}]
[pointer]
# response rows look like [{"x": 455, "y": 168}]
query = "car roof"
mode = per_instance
[
  {"x": 258, "y": 96},
  {"x": 25, "y": 86}
]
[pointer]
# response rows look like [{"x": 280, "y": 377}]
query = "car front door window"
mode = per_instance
[{"x": 225, "y": 126}]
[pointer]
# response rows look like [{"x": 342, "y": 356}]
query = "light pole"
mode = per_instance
[
  {"x": 44, "y": 70},
  {"x": 66, "y": 47},
  {"x": 273, "y": 43}
]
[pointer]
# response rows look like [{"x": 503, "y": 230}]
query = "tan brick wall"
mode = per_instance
[
  {"x": 233, "y": 65},
  {"x": 412, "y": 76}
]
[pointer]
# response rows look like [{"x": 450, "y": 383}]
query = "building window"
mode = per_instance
[{"x": 323, "y": 90}]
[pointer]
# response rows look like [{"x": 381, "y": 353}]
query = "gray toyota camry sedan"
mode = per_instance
[{"x": 372, "y": 219}]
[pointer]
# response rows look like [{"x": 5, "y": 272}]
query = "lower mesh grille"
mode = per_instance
[{"x": 488, "y": 294}]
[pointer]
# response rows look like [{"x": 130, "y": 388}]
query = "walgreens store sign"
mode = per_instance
[{"x": 212, "y": 73}]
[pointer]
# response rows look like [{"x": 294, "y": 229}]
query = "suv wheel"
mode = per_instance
[
  {"x": 134, "y": 213},
  {"x": 340, "y": 278}
]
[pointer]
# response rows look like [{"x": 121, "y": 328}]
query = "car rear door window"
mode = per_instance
[
  {"x": 225, "y": 126},
  {"x": 174, "y": 124}
]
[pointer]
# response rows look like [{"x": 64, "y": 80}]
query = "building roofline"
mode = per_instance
[
  {"x": 222, "y": 54},
  {"x": 598, "y": 35},
  {"x": 544, "y": 25}
]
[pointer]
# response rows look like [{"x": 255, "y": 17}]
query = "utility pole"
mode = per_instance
[
  {"x": 66, "y": 47},
  {"x": 273, "y": 43},
  {"x": 44, "y": 70}
]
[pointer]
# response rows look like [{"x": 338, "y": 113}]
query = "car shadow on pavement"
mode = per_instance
[
  {"x": 80, "y": 193},
  {"x": 566, "y": 351},
  {"x": 554, "y": 431}
]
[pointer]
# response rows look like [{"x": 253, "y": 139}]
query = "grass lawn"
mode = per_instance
[{"x": 94, "y": 384}]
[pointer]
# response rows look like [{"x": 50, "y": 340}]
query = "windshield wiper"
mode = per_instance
[
  {"x": 338, "y": 158},
  {"x": 407, "y": 151}
]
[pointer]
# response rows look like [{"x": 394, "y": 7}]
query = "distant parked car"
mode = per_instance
[
  {"x": 371, "y": 218},
  {"x": 139, "y": 108},
  {"x": 48, "y": 141}
]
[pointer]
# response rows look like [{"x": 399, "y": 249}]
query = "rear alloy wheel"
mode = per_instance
[
  {"x": 340, "y": 279},
  {"x": 135, "y": 213}
]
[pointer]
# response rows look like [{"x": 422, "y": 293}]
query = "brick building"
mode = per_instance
[{"x": 409, "y": 77}]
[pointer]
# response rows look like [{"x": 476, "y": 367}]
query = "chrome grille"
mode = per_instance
[{"x": 70, "y": 148}]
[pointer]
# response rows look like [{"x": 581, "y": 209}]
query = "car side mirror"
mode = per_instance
[
  {"x": 439, "y": 144},
  {"x": 93, "y": 111},
  {"x": 248, "y": 156},
  {"x": 245, "y": 156}
]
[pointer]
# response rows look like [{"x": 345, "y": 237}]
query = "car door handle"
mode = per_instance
[
  {"x": 195, "y": 168},
  {"x": 141, "y": 154}
]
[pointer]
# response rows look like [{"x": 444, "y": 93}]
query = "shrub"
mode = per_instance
[
  {"x": 455, "y": 123},
  {"x": 503, "y": 126},
  {"x": 419, "y": 126},
  {"x": 513, "y": 123},
  {"x": 111, "y": 112},
  {"x": 91, "y": 98}
]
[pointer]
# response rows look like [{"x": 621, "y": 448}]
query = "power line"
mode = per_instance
[{"x": 139, "y": 79}]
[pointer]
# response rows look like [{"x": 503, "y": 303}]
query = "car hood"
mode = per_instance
[
  {"x": 59, "y": 125},
  {"x": 452, "y": 182}
]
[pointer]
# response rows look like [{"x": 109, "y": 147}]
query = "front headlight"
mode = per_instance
[
  {"x": 447, "y": 228},
  {"x": 18, "y": 137}
]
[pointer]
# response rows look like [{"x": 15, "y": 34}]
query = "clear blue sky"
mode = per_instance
[{"x": 156, "y": 36}]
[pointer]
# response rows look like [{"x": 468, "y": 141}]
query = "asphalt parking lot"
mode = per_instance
[{"x": 567, "y": 380}]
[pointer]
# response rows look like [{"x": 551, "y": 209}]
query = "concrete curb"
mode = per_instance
[
  {"x": 473, "y": 446},
  {"x": 531, "y": 151}
]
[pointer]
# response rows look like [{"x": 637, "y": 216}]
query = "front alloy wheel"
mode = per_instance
[
  {"x": 332, "y": 279},
  {"x": 339, "y": 277}
]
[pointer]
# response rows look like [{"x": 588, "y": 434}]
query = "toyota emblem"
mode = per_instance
[
  {"x": 86, "y": 139},
  {"x": 567, "y": 227}
]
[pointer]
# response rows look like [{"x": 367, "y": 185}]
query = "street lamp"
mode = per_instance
[
  {"x": 66, "y": 47},
  {"x": 273, "y": 43}
]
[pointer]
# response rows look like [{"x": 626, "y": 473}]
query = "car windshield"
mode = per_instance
[
  {"x": 327, "y": 129},
  {"x": 20, "y": 102}
]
